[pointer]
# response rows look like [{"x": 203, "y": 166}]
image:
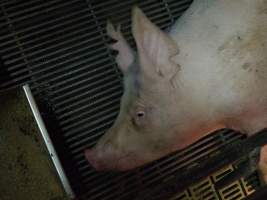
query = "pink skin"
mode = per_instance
[
  {"x": 109, "y": 161},
  {"x": 135, "y": 140},
  {"x": 104, "y": 157},
  {"x": 96, "y": 162}
]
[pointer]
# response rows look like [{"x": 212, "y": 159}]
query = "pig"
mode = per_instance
[{"x": 207, "y": 73}]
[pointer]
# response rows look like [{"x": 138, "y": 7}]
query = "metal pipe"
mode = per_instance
[{"x": 48, "y": 142}]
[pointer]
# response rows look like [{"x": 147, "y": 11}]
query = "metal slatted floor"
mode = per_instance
[{"x": 60, "y": 49}]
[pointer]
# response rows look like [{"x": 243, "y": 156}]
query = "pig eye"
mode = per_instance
[
  {"x": 140, "y": 114},
  {"x": 139, "y": 118}
]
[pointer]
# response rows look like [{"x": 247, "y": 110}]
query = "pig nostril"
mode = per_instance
[
  {"x": 140, "y": 114},
  {"x": 93, "y": 159},
  {"x": 89, "y": 155}
]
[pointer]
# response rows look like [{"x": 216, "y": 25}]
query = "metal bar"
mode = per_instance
[
  {"x": 84, "y": 118},
  {"x": 50, "y": 38},
  {"x": 83, "y": 80},
  {"x": 104, "y": 11},
  {"x": 113, "y": 97},
  {"x": 91, "y": 124},
  {"x": 82, "y": 97},
  {"x": 48, "y": 142},
  {"x": 42, "y": 26},
  {"x": 35, "y": 8},
  {"x": 106, "y": 77},
  {"x": 93, "y": 128},
  {"x": 154, "y": 15},
  {"x": 10, "y": 4},
  {"x": 40, "y": 70},
  {"x": 95, "y": 98},
  {"x": 56, "y": 63},
  {"x": 26, "y": 16},
  {"x": 60, "y": 45},
  {"x": 71, "y": 66}
]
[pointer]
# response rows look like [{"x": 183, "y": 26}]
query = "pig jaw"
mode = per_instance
[
  {"x": 92, "y": 157},
  {"x": 111, "y": 162}
]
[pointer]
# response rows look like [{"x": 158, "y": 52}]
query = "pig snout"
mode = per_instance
[
  {"x": 94, "y": 160},
  {"x": 109, "y": 159},
  {"x": 102, "y": 157}
]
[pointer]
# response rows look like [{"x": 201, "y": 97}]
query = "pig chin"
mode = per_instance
[{"x": 111, "y": 162}]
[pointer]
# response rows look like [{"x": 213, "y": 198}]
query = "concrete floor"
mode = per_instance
[{"x": 26, "y": 171}]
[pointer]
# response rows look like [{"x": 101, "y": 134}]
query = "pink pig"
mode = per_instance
[{"x": 208, "y": 72}]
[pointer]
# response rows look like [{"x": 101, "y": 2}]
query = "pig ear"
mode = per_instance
[
  {"x": 125, "y": 55},
  {"x": 154, "y": 46}
]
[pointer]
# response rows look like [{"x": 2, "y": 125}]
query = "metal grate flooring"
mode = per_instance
[{"x": 60, "y": 48}]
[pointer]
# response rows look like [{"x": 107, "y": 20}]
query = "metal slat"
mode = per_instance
[
  {"x": 178, "y": 12},
  {"x": 103, "y": 10},
  {"x": 45, "y": 26},
  {"x": 90, "y": 119},
  {"x": 72, "y": 120},
  {"x": 17, "y": 11},
  {"x": 13, "y": 4},
  {"x": 83, "y": 118},
  {"x": 37, "y": 13},
  {"x": 77, "y": 57},
  {"x": 8, "y": 2},
  {"x": 85, "y": 79},
  {"x": 94, "y": 133},
  {"x": 72, "y": 65},
  {"x": 68, "y": 31},
  {"x": 155, "y": 13},
  {"x": 100, "y": 126},
  {"x": 73, "y": 61},
  {"x": 89, "y": 125},
  {"x": 73, "y": 101},
  {"x": 107, "y": 185},
  {"x": 77, "y": 65},
  {"x": 95, "y": 90},
  {"x": 61, "y": 46},
  {"x": 79, "y": 143},
  {"x": 108, "y": 77}
]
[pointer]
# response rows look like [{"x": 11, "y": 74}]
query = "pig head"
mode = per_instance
[{"x": 154, "y": 117}]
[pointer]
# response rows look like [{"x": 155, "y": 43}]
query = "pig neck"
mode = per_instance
[
  {"x": 203, "y": 92},
  {"x": 196, "y": 116}
]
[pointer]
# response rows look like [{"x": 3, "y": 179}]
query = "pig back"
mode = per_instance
[{"x": 222, "y": 54}]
